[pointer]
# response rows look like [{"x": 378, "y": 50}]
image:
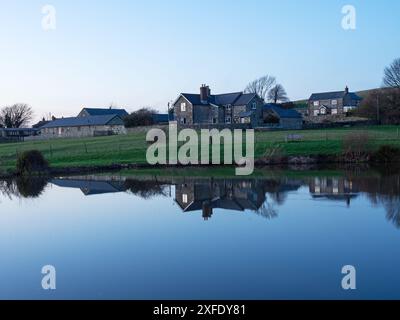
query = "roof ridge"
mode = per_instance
[{"x": 342, "y": 91}]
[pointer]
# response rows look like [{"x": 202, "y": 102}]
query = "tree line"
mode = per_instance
[{"x": 383, "y": 105}]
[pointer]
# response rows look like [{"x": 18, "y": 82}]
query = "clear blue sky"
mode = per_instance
[{"x": 143, "y": 53}]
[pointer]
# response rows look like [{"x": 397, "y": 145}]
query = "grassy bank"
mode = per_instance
[{"x": 132, "y": 148}]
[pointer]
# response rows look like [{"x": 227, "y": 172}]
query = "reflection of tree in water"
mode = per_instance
[
  {"x": 23, "y": 187},
  {"x": 146, "y": 189},
  {"x": 267, "y": 210},
  {"x": 31, "y": 187},
  {"x": 383, "y": 191},
  {"x": 279, "y": 197},
  {"x": 8, "y": 188},
  {"x": 392, "y": 207}
]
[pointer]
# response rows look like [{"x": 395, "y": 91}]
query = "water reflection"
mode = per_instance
[{"x": 260, "y": 195}]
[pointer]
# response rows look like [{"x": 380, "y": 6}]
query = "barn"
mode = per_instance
[{"x": 88, "y": 126}]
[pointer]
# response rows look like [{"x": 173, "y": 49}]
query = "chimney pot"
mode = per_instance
[{"x": 205, "y": 93}]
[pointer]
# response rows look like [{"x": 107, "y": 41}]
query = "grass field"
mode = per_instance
[{"x": 132, "y": 148}]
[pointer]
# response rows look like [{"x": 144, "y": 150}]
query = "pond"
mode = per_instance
[{"x": 278, "y": 235}]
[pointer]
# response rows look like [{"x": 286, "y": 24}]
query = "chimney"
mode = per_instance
[
  {"x": 205, "y": 93},
  {"x": 346, "y": 91}
]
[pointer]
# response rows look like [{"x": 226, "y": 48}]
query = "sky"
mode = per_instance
[{"x": 144, "y": 53}]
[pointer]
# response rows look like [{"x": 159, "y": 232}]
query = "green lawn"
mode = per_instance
[{"x": 132, "y": 148}]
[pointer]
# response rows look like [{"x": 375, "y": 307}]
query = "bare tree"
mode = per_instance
[
  {"x": 278, "y": 94},
  {"x": 16, "y": 116},
  {"x": 392, "y": 75},
  {"x": 261, "y": 86}
]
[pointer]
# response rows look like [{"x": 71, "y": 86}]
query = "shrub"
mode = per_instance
[
  {"x": 31, "y": 161},
  {"x": 356, "y": 147},
  {"x": 386, "y": 154},
  {"x": 142, "y": 117},
  {"x": 274, "y": 154}
]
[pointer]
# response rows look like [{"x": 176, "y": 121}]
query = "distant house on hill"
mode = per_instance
[
  {"x": 333, "y": 103},
  {"x": 277, "y": 117},
  {"x": 86, "y": 126},
  {"x": 226, "y": 109},
  {"x": 86, "y": 112}
]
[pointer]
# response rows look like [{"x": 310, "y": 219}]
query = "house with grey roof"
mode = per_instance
[
  {"x": 205, "y": 109},
  {"x": 87, "y": 126},
  {"x": 277, "y": 117},
  {"x": 86, "y": 112},
  {"x": 333, "y": 103}
]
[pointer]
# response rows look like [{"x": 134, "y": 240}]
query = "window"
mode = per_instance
[
  {"x": 183, "y": 120},
  {"x": 229, "y": 107},
  {"x": 185, "y": 198},
  {"x": 334, "y": 102},
  {"x": 316, "y": 113},
  {"x": 323, "y": 111},
  {"x": 214, "y": 120},
  {"x": 254, "y": 105},
  {"x": 228, "y": 120},
  {"x": 183, "y": 107},
  {"x": 334, "y": 111},
  {"x": 316, "y": 103}
]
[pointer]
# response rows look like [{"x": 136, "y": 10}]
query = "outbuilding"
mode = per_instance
[
  {"x": 87, "y": 126},
  {"x": 277, "y": 117}
]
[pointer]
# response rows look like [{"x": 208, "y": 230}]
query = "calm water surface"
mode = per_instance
[{"x": 283, "y": 236}]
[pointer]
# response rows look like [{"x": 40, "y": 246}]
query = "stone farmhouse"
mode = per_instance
[
  {"x": 226, "y": 109},
  {"x": 89, "y": 123},
  {"x": 332, "y": 103},
  {"x": 232, "y": 110}
]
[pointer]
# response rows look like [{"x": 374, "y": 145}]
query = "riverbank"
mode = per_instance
[{"x": 271, "y": 148}]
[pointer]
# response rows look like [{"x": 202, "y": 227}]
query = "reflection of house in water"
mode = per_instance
[
  {"x": 91, "y": 187},
  {"x": 333, "y": 188},
  {"x": 207, "y": 195}
]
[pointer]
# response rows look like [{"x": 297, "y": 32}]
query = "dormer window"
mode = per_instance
[{"x": 183, "y": 107}]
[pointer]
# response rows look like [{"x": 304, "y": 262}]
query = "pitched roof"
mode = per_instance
[
  {"x": 90, "y": 187},
  {"x": 282, "y": 113},
  {"x": 227, "y": 98},
  {"x": 18, "y": 129},
  {"x": 158, "y": 118},
  {"x": 234, "y": 98},
  {"x": 245, "y": 99},
  {"x": 333, "y": 95},
  {"x": 83, "y": 121},
  {"x": 106, "y": 111}
]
